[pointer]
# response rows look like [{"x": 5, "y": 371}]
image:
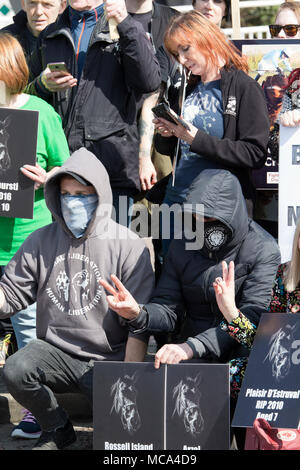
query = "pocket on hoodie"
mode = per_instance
[{"x": 76, "y": 340}]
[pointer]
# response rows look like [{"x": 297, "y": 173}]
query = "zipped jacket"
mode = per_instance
[{"x": 100, "y": 112}]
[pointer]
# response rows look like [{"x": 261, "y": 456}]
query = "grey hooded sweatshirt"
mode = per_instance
[
  {"x": 61, "y": 273},
  {"x": 185, "y": 292}
]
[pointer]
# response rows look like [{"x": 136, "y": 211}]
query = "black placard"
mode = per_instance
[
  {"x": 177, "y": 407},
  {"x": 271, "y": 386},
  {"x": 18, "y": 141},
  {"x": 128, "y": 406},
  {"x": 197, "y": 407}
]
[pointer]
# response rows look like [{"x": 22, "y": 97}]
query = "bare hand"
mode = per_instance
[
  {"x": 172, "y": 354},
  {"x": 35, "y": 173},
  {"x": 58, "y": 81},
  {"x": 148, "y": 176},
  {"x": 225, "y": 292},
  {"x": 168, "y": 129},
  {"x": 121, "y": 301},
  {"x": 290, "y": 118},
  {"x": 116, "y": 9}
]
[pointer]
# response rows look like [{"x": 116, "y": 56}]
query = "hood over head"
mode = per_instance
[
  {"x": 220, "y": 193},
  {"x": 85, "y": 167}
]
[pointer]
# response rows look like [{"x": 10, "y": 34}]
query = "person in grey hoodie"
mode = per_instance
[{"x": 59, "y": 266}]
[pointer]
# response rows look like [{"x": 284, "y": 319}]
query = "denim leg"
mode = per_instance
[
  {"x": 37, "y": 371},
  {"x": 24, "y": 324}
]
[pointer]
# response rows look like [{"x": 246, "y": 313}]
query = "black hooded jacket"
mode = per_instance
[{"x": 185, "y": 289}]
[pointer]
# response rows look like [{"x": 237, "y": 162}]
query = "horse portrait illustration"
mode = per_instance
[
  {"x": 279, "y": 354},
  {"x": 125, "y": 402},
  {"x": 187, "y": 404},
  {"x": 5, "y": 160}
]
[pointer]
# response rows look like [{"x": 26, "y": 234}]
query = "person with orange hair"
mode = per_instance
[
  {"x": 225, "y": 110},
  {"x": 52, "y": 150}
]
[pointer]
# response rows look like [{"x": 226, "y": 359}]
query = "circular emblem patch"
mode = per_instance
[{"x": 215, "y": 237}]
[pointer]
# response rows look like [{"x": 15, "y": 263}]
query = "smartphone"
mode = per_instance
[
  {"x": 162, "y": 110},
  {"x": 58, "y": 67}
]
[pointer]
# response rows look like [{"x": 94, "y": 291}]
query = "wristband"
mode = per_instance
[{"x": 43, "y": 81}]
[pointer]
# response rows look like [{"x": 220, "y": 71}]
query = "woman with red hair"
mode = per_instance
[{"x": 225, "y": 109}]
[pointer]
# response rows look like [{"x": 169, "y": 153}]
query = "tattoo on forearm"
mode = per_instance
[{"x": 146, "y": 131}]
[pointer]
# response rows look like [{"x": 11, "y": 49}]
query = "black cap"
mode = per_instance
[{"x": 80, "y": 179}]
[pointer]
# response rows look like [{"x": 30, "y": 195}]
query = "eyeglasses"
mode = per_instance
[{"x": 289, "y": 29}]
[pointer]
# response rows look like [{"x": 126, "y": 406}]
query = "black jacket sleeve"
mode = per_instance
[
  {"x": 166, "y": 306},
  {"x": 247, "y": 149},
  {"x": 140, "y": 64}
]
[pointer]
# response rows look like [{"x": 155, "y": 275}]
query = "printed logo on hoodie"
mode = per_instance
[{"x": 78, "y": 292}]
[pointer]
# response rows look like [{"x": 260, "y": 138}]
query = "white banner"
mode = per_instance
[{"x": 289, "y": 188}]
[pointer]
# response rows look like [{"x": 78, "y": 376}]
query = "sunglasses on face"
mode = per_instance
[{"x": 289, "y": 29}]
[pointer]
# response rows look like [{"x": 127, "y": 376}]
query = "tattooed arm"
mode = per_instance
[{"x": 147, "y": 171}]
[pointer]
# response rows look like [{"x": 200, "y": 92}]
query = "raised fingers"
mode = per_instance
[
  {"x": 108, "y": 287},
  {"x": 224, "y": 270},
  {"x": 231, "y": 272},
  {"x": 118, "y": 284}
]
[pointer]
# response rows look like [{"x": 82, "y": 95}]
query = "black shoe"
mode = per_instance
[{"x": 58, "y": 439}]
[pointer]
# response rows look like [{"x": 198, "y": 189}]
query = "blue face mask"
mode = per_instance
[{"x": 77, "y": 211}]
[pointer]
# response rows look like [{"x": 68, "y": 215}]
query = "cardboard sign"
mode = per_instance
[
  {"x": 178, "y": 407},
  {"x": 18, "y": 140},
  {"x": 289, "y": 189},
  {"x": 271, "y": 386}
]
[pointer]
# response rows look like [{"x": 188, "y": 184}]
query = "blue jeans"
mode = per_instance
[
  {"x": 34, "y": 374},
  {"x": 24, "y": 323}
]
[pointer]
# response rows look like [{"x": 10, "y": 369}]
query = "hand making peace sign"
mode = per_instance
[
  {"x": 121, "y": 301},
  {"x": 225, "y": 292}
]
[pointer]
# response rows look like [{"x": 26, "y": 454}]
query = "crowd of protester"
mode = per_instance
[{"x": 77, "y": 284}]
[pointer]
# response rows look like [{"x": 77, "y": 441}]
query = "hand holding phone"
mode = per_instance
[
  {"x": 58, "y": 67},
  {"x": 162, "y": 110}
]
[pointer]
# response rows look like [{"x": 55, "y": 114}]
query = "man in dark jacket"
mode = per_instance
[
  {"x": 34, "y": 17},
  {"x": 98, "y": 99},
  {"x": 154, "y": 19},
  {"x": 185, "y": 290}
]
